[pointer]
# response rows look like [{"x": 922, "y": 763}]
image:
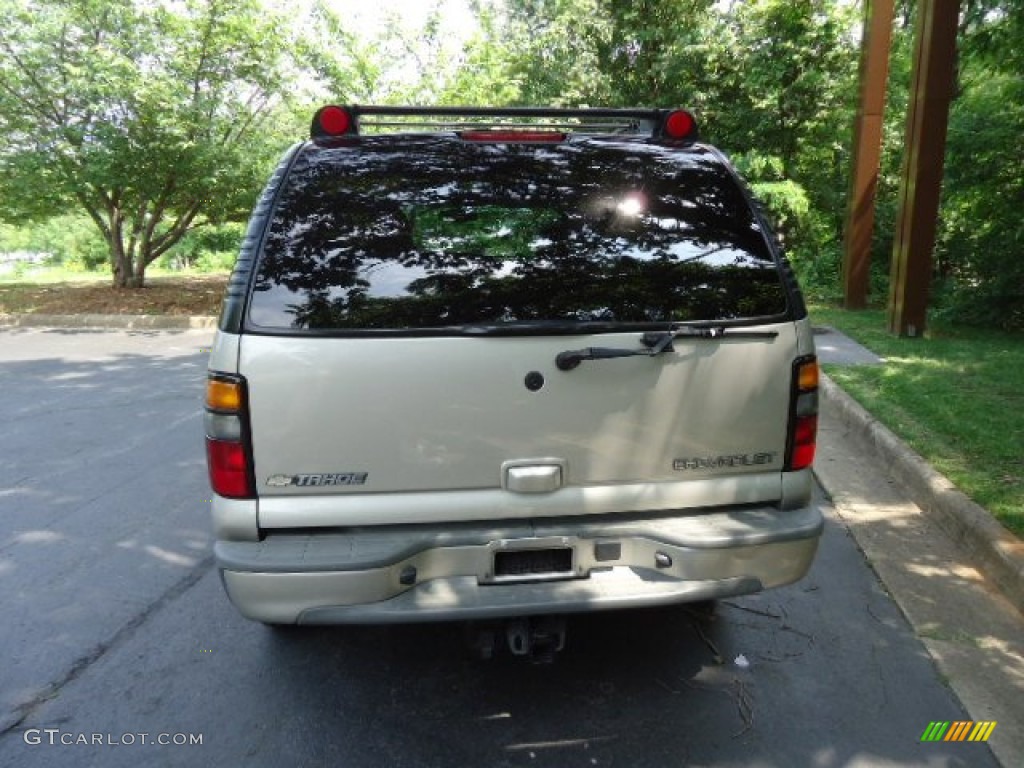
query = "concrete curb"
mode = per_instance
[
  {"x": 122, "y": 322},
  {"x": 992, "y": 548}
]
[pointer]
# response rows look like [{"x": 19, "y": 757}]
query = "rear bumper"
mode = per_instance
[{"x": 398, "y": 574}]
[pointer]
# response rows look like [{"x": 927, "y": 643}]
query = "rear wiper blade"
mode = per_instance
[
  {"x": 655, "y": 343},
  {"x": 569, "y": 359}
]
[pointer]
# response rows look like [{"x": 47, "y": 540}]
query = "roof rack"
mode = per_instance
[{"x": 333, "y": 121}]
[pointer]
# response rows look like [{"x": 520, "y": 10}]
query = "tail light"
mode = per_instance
[
  {"x": 333, "y": 121},
  {"x": 803, "y": 414},
  {"x": 228, "y": 454},
  {"x": 678, "y": 126}
]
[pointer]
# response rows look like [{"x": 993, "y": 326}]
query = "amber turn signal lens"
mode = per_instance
[
  {"x": 807, "y": 378},
  {"x": 223, "y": 395}
]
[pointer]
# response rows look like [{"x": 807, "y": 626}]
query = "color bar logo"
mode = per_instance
[{"x": 961, "y": 730}]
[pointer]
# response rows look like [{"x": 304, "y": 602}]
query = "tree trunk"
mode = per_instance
[
  {"x": 139, "y": 276},
  {"x": 127, "y": 273},
  {"x": 121, "y": 264}
]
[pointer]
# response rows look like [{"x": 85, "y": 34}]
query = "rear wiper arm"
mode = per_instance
[{"x": 655, "y": 343}]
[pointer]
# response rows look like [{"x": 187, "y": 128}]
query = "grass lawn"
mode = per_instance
[{"x": 956, "y": 396}]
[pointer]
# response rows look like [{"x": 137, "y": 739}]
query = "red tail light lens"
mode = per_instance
[
  {"x": 332, "y": 121},
  {"x": 229, "y": 469},
  {"x": 679, "y": 125},
  {"x": 803, "y": 414},
  {"x": 228, "y": 457},
  {"x": 804, "y": 442},
  {"x": 335, "y": 121}
]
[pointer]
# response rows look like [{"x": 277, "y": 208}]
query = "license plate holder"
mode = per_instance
[{"x": 521, "y": 562}]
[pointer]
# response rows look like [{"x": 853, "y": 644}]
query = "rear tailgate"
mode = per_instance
[{"x": 353, "y": 431}]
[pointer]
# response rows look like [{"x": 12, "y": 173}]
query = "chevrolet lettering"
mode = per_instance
[{"x": 725, "y": 462}]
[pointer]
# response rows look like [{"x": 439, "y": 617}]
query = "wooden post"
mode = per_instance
[
  {"x": 867, "y": 148},
  {"x": 921, "y": 183}
]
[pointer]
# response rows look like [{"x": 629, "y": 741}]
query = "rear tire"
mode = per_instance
[
  {"x": 702, "y": 610},
  {"x": 283, "y": 629}
]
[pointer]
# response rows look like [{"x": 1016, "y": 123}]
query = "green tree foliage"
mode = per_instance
[
  {"x": 152, "y": 117},
  {"x": 208, "y": 249},
  {"x": 485, "y": 73},
  {"x": 550, "y": 51},
  {"x": 784, "y": 95},
  {"x": 403, "y": 61},
  {"x": 71, "y": 241},
  {"x": 979, "y": 272},
  {"x": 348, "y": 66},
  {"x": 981, "y": 240},
  {"x": 599, "y": 52},
  {"x": 772, "y": 82}
]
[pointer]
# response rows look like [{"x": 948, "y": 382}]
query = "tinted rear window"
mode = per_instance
[{"x": 434, "y": 233}]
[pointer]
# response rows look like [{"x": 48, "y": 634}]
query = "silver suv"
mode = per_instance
[{"x": 507, "y": 363}]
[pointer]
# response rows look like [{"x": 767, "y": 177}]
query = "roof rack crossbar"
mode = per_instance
[
  {"x": 469, "y": 126},
  {"x": 553, "y": 112}
]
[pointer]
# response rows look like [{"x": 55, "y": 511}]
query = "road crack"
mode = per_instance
[{"x": 80, "y": 666}]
